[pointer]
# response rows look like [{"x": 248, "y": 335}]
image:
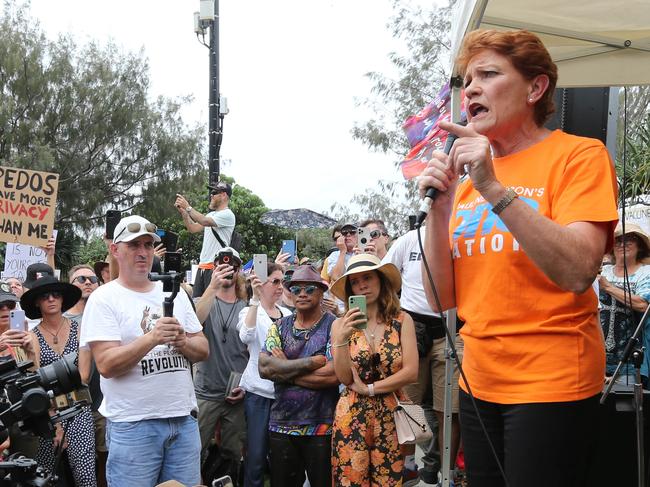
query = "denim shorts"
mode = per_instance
[{"x": 147, "y": 452}]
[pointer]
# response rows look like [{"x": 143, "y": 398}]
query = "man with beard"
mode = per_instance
[
  {"x": 297, "y": 358},
  {"x": 218, "y": 311},
  {"x": 217, "y": 227}
]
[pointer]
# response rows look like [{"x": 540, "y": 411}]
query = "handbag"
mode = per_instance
[{"x": 410, "y": 423}]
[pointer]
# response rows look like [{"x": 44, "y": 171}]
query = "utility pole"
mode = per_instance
[{"x": 208, "y": 18}]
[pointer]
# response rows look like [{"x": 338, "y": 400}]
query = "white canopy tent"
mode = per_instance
[{"x": 592, "y": 42}]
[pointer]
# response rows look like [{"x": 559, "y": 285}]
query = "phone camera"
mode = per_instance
[{"x": 364, "y": 240}]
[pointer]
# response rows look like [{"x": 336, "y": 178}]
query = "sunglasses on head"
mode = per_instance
[
  {"x": 348, "y": 233},
  {"x": 135, "y": 227},
  {"x": 8, "y": 304},
  {"x": 296, "y": 290},
  {"x": 83, "y": 279},
  {"x": 51, "y": 294}
]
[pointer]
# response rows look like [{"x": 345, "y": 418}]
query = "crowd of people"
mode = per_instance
[{"x": 284, "y": 377}]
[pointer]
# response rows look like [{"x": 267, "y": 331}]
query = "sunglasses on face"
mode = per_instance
[
  {"x": 216, "y": 192},
  {"x": 275, "y": 282},
  {"x": 8, "y": 304},
  {"x": 336, "y": 237},
  {"x": 627, "y": 241},
  {"x": 83, "y": 279},
  {"x": 136, "y": 227},
  {"x": 51, "y": 294},
  {"x": 375, "y": 234},
  {"x": 348, "y": 233},
  {"x": 296, "y": 290}
]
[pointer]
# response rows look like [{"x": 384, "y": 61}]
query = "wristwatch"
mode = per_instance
[{"x": 188, "y": 209}]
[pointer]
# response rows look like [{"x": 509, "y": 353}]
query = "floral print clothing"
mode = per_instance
[{"x": 365, "y": 450}]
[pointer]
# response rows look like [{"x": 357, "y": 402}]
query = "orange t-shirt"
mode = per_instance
[{"x": 526, "y": 340}]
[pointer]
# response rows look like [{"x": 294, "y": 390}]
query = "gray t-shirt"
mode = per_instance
[{"x": 227, "y": 352}]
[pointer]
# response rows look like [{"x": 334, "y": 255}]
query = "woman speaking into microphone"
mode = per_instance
[{"x": 515, "y": 243}]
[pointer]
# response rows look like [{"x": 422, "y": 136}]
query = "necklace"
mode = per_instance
[
  {"x": 55, "y": 336},
  {"x": 225, "y": 324}
]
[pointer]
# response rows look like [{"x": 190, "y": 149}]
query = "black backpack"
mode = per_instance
[{"x": 235, "y": 239}]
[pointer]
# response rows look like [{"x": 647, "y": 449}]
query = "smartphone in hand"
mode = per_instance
[
  {"x": 359, "y": 302},
  {"x": 260, "y": 266},
  {"x": 17, "y": 320},
  {"x": 289, "y": 247},
  {"x": 363, "y": 238},
  {"x": 113, "y": 217}
]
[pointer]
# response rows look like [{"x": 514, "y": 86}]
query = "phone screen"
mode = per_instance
[
  {"x": 113, "y": 217},
  {"x": 359, "y": 302},
  {"x": 17, "y": 319},
  {"x": 289, "y": 247}
]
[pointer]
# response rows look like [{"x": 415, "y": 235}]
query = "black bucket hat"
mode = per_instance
[
  {"x": 47, "y": 284},
  {"x": 35, "y": 272}
]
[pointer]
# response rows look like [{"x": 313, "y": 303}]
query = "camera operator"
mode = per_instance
[{"x": 144, "y": 360}]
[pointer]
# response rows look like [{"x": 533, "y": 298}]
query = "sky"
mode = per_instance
[{"x": 291, "y": 71}]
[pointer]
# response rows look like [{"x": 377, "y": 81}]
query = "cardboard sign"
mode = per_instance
[
  {"x": 19, "y": 257},
  {"x": 639, "y": 215},
  {"x": 27, "y": 205}
]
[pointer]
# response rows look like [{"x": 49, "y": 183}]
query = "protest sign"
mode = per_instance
[
  {"x": 19, "y": 257},
  {"x": 638, "y": 214},
  {"x": 27, "y": 205}
]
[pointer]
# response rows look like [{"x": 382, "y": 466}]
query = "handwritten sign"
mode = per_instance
[
  {"x": 27, "y": 205},
  {"x": 19, "y": 257}
]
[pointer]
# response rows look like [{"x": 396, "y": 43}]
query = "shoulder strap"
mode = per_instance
[{"x": 216, "y": 235}]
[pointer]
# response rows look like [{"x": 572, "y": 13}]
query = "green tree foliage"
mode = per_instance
[
  {"x": 420, "y": 72},
  {"x": 84, "y": 112},
  {"x": 637, "y": 162}
]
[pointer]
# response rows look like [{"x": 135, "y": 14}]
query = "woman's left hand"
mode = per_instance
[
  {"x": 471, "y": 153},
  {"x": 358, "y": 386}
]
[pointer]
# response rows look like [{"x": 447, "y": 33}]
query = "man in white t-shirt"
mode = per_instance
[
  {"x": 144, "y": 360},
  {"x": 217, "y": 227}
]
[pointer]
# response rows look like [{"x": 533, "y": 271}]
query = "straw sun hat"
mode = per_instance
[{"x": 364, "y": 263}]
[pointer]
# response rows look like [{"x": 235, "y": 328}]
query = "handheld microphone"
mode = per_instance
[{"x": 432, "y": 193}]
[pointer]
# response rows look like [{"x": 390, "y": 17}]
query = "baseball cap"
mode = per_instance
[
  {"x": 6, "y": 294},
  {"x": 132, "y": 227},
  {"x": 221, "y": 186}
]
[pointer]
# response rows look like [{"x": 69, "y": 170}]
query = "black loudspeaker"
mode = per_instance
[
  {"x": 581, "y": 111},
  {"x": 615, "y": 462}
]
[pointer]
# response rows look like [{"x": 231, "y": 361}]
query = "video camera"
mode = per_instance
[{"x": 27, "y": 400}]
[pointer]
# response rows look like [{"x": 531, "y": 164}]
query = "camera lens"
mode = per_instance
[
  {"x": 364, "y": 241},
  {"x": 61, "y": 376}
]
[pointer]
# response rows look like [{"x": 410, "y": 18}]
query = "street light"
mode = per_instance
[{"x": 208, "y": 18}]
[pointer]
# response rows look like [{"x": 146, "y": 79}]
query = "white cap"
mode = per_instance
[{"x": 132, "y": 227}]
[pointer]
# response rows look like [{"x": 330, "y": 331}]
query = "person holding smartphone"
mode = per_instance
[
  {"x": 253, "y": 326},
  {"x": 12, "y": 338},
  {"x": 217, "y": 227},
  {"x": 375, "y": 356}
]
